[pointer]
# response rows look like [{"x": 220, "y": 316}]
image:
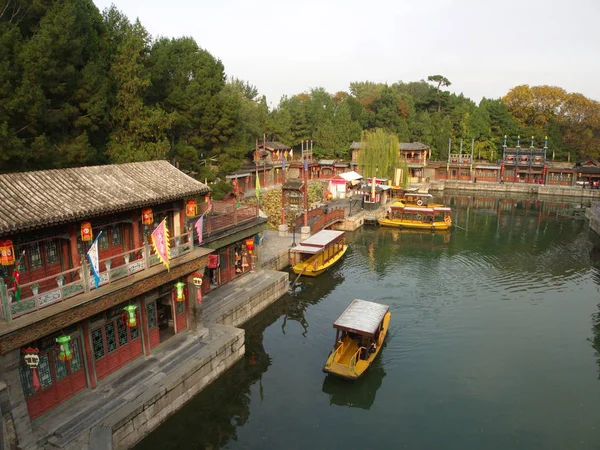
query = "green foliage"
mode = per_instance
[
  {"x": 221, "y": 189},
  {"x": 379, "y": 153}
]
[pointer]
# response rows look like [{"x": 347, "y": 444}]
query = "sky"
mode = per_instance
[{"x": 483, "y": 47}]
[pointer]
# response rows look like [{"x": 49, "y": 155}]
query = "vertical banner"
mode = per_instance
[
  {"x": 160, "y": 242},
  {"x": 92, "y": 255}
]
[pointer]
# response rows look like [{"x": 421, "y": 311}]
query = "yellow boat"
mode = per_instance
[
  {"x": 318, "y": 253},
  {"x": 417, "y": 217},
  {"x": 359, "y": 336}
]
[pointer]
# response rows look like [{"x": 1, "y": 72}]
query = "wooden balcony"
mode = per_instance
[{"x": 47, "y": 291}]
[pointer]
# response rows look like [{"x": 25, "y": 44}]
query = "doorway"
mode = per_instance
[{"x": 166, "y": 325}]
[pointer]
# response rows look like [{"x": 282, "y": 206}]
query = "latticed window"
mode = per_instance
[
  {"x": 97, "y": 343},
  {"x": 76, "y": 360},
  {"x": 116, "y": 235},
  {"x": 60, "y": 367},
  {"x": 103, "y": 241},
  {"x": 111, "y": 337},
  {"x": 122, "y": 330},
  {"x": 34, "y": 255},
  {"x": 26, "y": 380},
  {"x": 152, "y": 319},
  {"x": 44, "y": 371},
  {"x": 180, "y": 307},
  {"x": 51, "y": 252},
  {"x": 134, "y": 332}
]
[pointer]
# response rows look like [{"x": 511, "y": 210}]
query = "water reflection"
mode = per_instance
[{"x": 357, "y": 393}]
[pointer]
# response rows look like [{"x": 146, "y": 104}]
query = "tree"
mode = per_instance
[
  {"x": 379, "y": 153},
  {"x": 441, "y": 81}
]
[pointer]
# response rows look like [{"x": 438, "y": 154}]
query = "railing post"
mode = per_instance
[
  {"x": 85, "y": 275},
  {"x": 146, "y": 256},
  {"x": 5, "y": 304}
]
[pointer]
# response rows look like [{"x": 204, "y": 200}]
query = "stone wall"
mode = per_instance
[
  {"x": 134, "y": 421},
  {"x": 522, "y": 188},
  {"x": 278, "y": 262},
  {"x": 593, "y": 215}
]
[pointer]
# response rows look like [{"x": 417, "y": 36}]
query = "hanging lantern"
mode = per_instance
[
  {"x": 131, "y": 315},
  {"x": 191, "y": 208},
  {"x": 64, "y": 347},
  {"x": 86, "y": 231},
  {"x": 147, "y": 216},
  {"x": 197, "y": 279},
  {"x": 250, "y": 245},
  {"x": 7, "y": 253},
  {"x": 30, "y": 355},
  {"x": 179, "y": 286}
]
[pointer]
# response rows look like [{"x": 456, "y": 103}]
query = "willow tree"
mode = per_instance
[{"x": 379, "y": 153}]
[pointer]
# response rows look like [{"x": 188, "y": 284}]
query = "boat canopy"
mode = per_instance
[
  {"x": 418, "y": 210},
  {"x": 418, "y": 194},
  {"x": 442, "y": 208},
  {"x": 322, "y": 238},
  {"x": 305, "y": 249},
  {"x": 361, "y": 317}
]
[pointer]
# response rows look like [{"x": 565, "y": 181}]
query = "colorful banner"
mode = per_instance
[
  {"x": 199, "y": 226},
  {"x": 92, "y": 256},
  {"x": 257, "y": 187},
  {"x": 160, "y": 242},
  {"x": 283, "y": 164}
]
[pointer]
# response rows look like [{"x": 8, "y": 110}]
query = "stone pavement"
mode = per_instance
[{"x": 236, "y": 302}]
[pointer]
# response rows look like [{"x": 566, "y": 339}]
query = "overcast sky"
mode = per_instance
[{"x": 484, "y": 48}]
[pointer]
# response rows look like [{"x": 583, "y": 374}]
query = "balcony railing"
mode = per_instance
[{"x": 47, "y": 291}]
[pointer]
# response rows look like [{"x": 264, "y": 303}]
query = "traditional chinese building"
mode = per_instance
[{"x": 77, "y": 332}]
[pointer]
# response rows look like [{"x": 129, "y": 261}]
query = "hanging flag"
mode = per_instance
[
  {"x": 257, "y": 187},
  {"x": 92, "y": 255},
  {"x": 283, "y": 164},
  {"x": 160, "y": 242},
  {"x": 292, "y": 154},
  {"x": 306, "y": 165},
  {"x": 16, "y": 277},
  {"x": 199, "y": 226},
  {"x": 286, "y": 154}
]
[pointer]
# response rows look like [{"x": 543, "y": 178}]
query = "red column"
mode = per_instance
[
  {"x": 135, "y": 230},
  {"x": 89, "y": 355}
]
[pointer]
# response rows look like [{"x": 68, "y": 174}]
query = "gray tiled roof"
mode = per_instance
[
  {"x": 36, "y": 199},
  {"x": 274, "y": 145}
]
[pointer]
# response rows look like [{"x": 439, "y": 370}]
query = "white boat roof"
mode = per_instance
[
  {"x": 362, "y": 317},
  {"x": 305, "y": 249},
  {"x": 418, "y": 210},
  {"x": 322, "y": 238},
  {"x": 418, "y": 194},
  {"x": 442, "y": 208}
]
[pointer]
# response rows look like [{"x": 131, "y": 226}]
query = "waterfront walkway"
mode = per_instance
[{"x": 120, "y": 395}]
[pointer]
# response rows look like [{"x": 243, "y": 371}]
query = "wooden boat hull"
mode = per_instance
[
  {"x": 416, "y": 225},
  {"x": 339, "y": 363},
  {"x": 309, "y": 268}
]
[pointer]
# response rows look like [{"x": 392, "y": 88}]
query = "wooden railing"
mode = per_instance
[
  {"x": 78, "y": 280},
  {"x": 226, "y": 215}
]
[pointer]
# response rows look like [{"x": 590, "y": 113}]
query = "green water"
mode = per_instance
[{"x": 491, "y": 346}]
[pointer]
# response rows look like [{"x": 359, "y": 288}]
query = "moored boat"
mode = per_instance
[
  {"x": 434, "y": 218},
  {"x": 318, "y": 253},
  {"x": 360, "y": 332}
]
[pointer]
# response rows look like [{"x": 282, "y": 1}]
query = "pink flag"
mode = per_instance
[
  {"x": 160, "y": 242},
  {"x": 199, "y": 226}
]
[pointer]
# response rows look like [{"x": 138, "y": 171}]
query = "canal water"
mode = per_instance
[{"x": 493, "y": 344}]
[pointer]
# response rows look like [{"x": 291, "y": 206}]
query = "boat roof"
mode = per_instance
[
  {"x": 362, "y": 317},
  {"x": 322, "y": 238},
  {"x": 306, "y": 249},
  {"x": 418, "y": 210},
  {"x": 442, "y": 208},
  {"x": 418, "y": 194}
]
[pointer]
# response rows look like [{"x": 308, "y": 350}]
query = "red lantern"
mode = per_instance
[
  {"x": 7, "y": 253},
  {"x": 86, "y": 231},
  {"x": 147, "y": 216},
  {"x": 213, "y": 261},
  {"x": 250, "y": 245},
  {"x": 191, "y": 208}
]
